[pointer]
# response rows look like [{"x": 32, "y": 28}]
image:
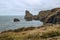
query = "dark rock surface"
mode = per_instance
[
  {"x": 54, "y": 17},
  {"x": 43, "y": 14},
  {"x": 16, "y": 20},
  {"x": 28, "y": 16},
  {"x": 35, "y": 17}
]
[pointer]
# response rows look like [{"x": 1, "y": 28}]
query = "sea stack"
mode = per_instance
[
  {"x": 28, "y": 16},
  {"x": 16, "y": 20}
]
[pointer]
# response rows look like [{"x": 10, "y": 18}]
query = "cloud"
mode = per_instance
[{"x": 18, "y": 7}]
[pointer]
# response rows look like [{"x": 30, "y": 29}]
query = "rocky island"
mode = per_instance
[{"x": 16, "y": 20}]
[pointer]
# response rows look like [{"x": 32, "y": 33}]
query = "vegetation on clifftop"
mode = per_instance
[{"x": 45, "y": 32}]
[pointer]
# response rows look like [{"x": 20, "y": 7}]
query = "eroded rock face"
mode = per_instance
[
  {"x": 35, "y": 17},
  {"x": 47, "y": 16},
  {"x": 54, "y": 17},
  {"x": 55, "y": 9},
  {"x": 43, "y": 14},
  {"x": 28, "y": 16}
]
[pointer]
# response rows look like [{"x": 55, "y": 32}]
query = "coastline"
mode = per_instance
[
  {"x": 45, "y": 32},
  {"x": 50, "y": 30}
]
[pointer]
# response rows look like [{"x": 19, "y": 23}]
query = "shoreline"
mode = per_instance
[
  {"x": 44, "y": 32},
  {"x": 28, "y": 28}
]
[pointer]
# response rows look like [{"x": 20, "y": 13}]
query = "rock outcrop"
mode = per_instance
[
  {"x": 35, "y": 17},
  {"x": 43, "y": 14},
  {"x": 16, "y": 20},
  {"x": 54, "y": 17},
  {"x": 28, "y": 16},
  {"x": 47, "y": 16}
]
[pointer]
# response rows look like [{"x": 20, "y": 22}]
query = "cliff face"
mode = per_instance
[
  {"x": 43, "y": 14},
  {"x": 28, "y": 16},
  {"x": 54, "y": 17},
  {"x": 47, "y": 16},
  {"x": 35, "y": 17}
]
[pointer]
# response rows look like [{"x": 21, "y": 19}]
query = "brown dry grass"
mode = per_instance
[{"x": 45, "y": 32}]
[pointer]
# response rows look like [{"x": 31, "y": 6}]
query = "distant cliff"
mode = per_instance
[{"x": 46, "y": 16}]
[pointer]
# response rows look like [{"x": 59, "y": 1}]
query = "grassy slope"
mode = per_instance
[{"x": 45, "y": 32}]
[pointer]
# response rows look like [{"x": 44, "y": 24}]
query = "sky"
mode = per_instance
[{"x": 18, "y": 7}]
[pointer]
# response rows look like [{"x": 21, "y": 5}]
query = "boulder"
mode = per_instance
[{"x": 16, "y": 20}]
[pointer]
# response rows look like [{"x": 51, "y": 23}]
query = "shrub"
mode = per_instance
[
  {"x": 50, "y": 34},
  {"x": 5, "y": 37}
]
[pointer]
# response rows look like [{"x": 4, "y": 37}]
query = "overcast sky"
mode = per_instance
[{"x": 18, "y": 7}]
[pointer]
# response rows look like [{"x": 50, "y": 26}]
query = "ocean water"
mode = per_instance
[{"x": 7, "y": 23}]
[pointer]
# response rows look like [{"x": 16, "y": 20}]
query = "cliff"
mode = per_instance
[
  {"x": 46, "y": 16},
  {"x": 49, "y": 31},
  {"x": 28, "y": 16}
]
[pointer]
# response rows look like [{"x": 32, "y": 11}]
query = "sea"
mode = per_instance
[{"x": 7, "y": 23}]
